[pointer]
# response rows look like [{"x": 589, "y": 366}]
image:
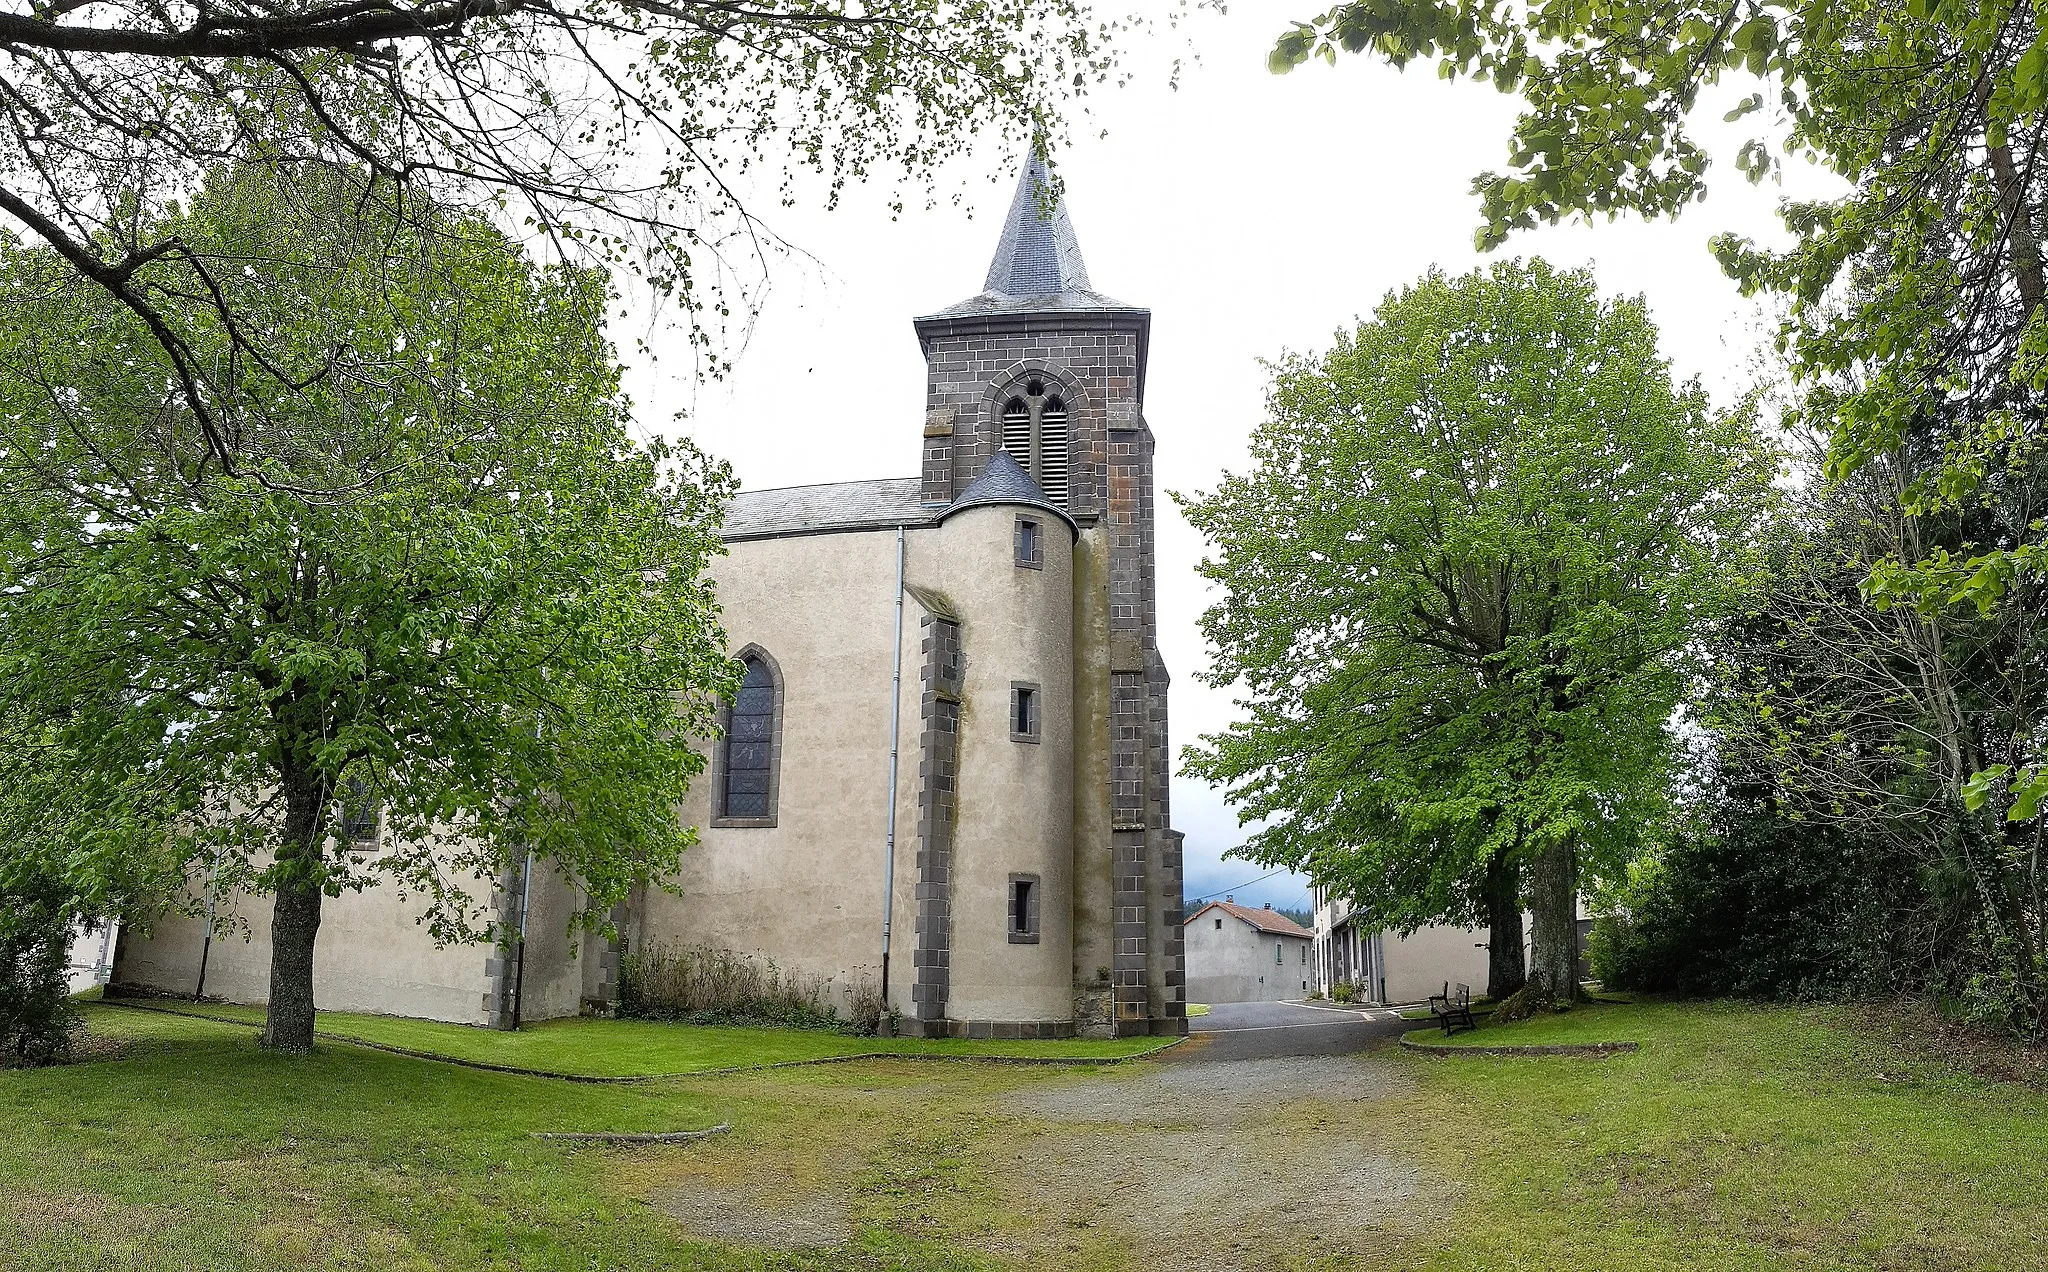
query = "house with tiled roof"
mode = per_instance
[{"x": 1239, "y": 954}]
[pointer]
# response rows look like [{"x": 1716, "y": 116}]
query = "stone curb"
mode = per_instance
[
  {"x": 628, "y": 1078},
  {"x": 1597, "y": 1050},
  {"x": 632, "y": 1137}
]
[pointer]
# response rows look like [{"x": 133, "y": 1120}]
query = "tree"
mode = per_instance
[
  {"x": 1463, "y": 587},
  {"x": 1916, "y": 300},
  {"x": 1845, "y": 736},
  {"x": 503, "y": 635},
  {"x": 626, "y": 132}
]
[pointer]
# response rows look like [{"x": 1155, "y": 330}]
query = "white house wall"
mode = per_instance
[{"x": 1236, "y": 963}]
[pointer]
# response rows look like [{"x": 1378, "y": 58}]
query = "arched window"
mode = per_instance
[
  {"x": 747, "y": 776},
  {"x": 1035, "y": 435}
]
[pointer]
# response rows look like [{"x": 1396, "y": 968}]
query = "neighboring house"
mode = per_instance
[
  {"x": 1037, "y": 879},
  {"x": 1240, "y": 955},
  {"x": 1386, "y": 967}
]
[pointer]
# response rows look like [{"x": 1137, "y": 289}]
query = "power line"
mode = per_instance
[{"x": 1240, "y": 887}]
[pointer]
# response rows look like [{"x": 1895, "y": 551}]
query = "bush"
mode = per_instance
[
  {"x": 1760, "y": 906},
  {"x": 1342, "y": 992},
  {"x": 38, "y": 1020},
  {"x": 700, "y": 985}
]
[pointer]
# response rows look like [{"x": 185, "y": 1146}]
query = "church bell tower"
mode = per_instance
[{"x": 1044, "y": 368}]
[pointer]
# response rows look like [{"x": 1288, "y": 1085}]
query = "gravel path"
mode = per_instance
[
  {"x": 1262, "y": 1142},
  {"x": 1228, "y": 1164}
]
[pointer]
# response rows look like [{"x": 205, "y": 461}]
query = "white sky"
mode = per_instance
[{"x": 1252, "y": 214}]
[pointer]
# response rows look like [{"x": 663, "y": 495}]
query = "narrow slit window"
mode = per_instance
[
  {"x": 1024, "y": 713},
  {"x": 1219, "y": 925},
  {"x": 1023, "y": 909},
  {"x": 1030, "y": 544}
]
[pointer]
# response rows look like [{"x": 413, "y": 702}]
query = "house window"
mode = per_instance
[
  {"x": 1023, "y": 909},
  {"x": 1279, "y": 951},
  {"x": 1035, "y": 435},
  {"x": 360, "y": 813},
  {"x": 748, "y": 753},
  {"x": 1219, "y": 925},
  {"x": 1030, "y": 544},
  {"x": 1023, "y": 712}
]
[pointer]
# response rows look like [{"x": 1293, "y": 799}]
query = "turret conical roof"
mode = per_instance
[{"x": 1004, "y": 481}]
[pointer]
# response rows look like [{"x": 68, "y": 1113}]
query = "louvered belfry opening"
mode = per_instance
[{"x": 1035, "y": 435}]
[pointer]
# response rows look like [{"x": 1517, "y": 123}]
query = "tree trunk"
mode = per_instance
[
  {"x": 1554, "y": 925},
  {"x": 1506, "y": 965},
  {"x": 295, "y": 917}
]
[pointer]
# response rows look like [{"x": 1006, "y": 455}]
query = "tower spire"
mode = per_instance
[{"x": 1037, "y": 254}]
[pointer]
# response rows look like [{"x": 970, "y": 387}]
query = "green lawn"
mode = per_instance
[
  {"x": 1740, "y": 1136},
  {"x": 586, "y": 1047},
  {"x": 1588, "y": 1022}
]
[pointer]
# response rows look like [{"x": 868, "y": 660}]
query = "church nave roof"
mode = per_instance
[{"x": 835, "y": 505}]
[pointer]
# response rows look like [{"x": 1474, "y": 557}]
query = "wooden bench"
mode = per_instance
[{"x": 1453, "y": 1008}]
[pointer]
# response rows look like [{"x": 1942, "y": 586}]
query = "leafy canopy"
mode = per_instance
[
  {"x": 643, "y": 135},
  {"x": 1914, "y": 303},
  {"x": 503, "y": 634},
  {"x": 1464, "y": 583}
]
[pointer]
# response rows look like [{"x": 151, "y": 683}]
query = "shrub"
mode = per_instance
[
  {"x": 699, "y": 984},
  {"x": 1342, "y": 992},
  {"x": 1760, "y": 906},
  {"x": 38, "y": 1020}
]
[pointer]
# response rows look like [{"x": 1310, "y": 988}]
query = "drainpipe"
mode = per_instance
[
  {"x": 519, "y": 972},
  {"x": 1379, "y": 962},
  {"x": 895, "y": 734}
]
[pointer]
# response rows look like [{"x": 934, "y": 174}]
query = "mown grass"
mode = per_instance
[
  {"x": 587, "y": 1047},
  {"x": 1586, "y": 1023},
  {"x": 1740, "y": 1136}
]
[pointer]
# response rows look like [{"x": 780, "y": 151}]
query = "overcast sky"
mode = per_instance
[{"x": 1252, "y": 214}]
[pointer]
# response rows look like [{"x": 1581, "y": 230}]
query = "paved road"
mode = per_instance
[{"x": 1259, "y": 1031}]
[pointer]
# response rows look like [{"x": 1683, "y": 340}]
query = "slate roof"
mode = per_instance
[
  {"x": 1271, "y": 922},
  {"x": 1004, "y": 481},
  {"x": 876, "y": 505},
  {"x": 1037, "y": 266},
  {"x": 838, "y": 505}
]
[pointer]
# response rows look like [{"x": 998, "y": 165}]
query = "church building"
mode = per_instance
[{"x": 945, "y": 774}]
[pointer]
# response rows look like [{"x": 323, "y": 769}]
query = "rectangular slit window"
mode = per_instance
[
  {"x": 1024, "y": 713},
  {"x": 1030, "y": 544},
  {"x": 1023, "y": 909}
]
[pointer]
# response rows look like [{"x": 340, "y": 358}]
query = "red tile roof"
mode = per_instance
[{"x": 1269, "y": 921}]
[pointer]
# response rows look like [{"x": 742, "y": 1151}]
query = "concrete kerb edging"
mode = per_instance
[
  {"x": 632, "y": 1137},
  {"x": 626, "y": 1079},
  {"x": 1596, "y": 1050}
]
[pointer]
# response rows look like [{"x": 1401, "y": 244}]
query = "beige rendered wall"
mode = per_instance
[
  {"x": 371, "y": 956},
  {"x": 555, "y": 957},
  {"x": 1417, "y": 965},
  {"x": 807, "y": 891},
  {"x": 1016, "y": 798},
  {"x": 1234, "y": 963}
]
